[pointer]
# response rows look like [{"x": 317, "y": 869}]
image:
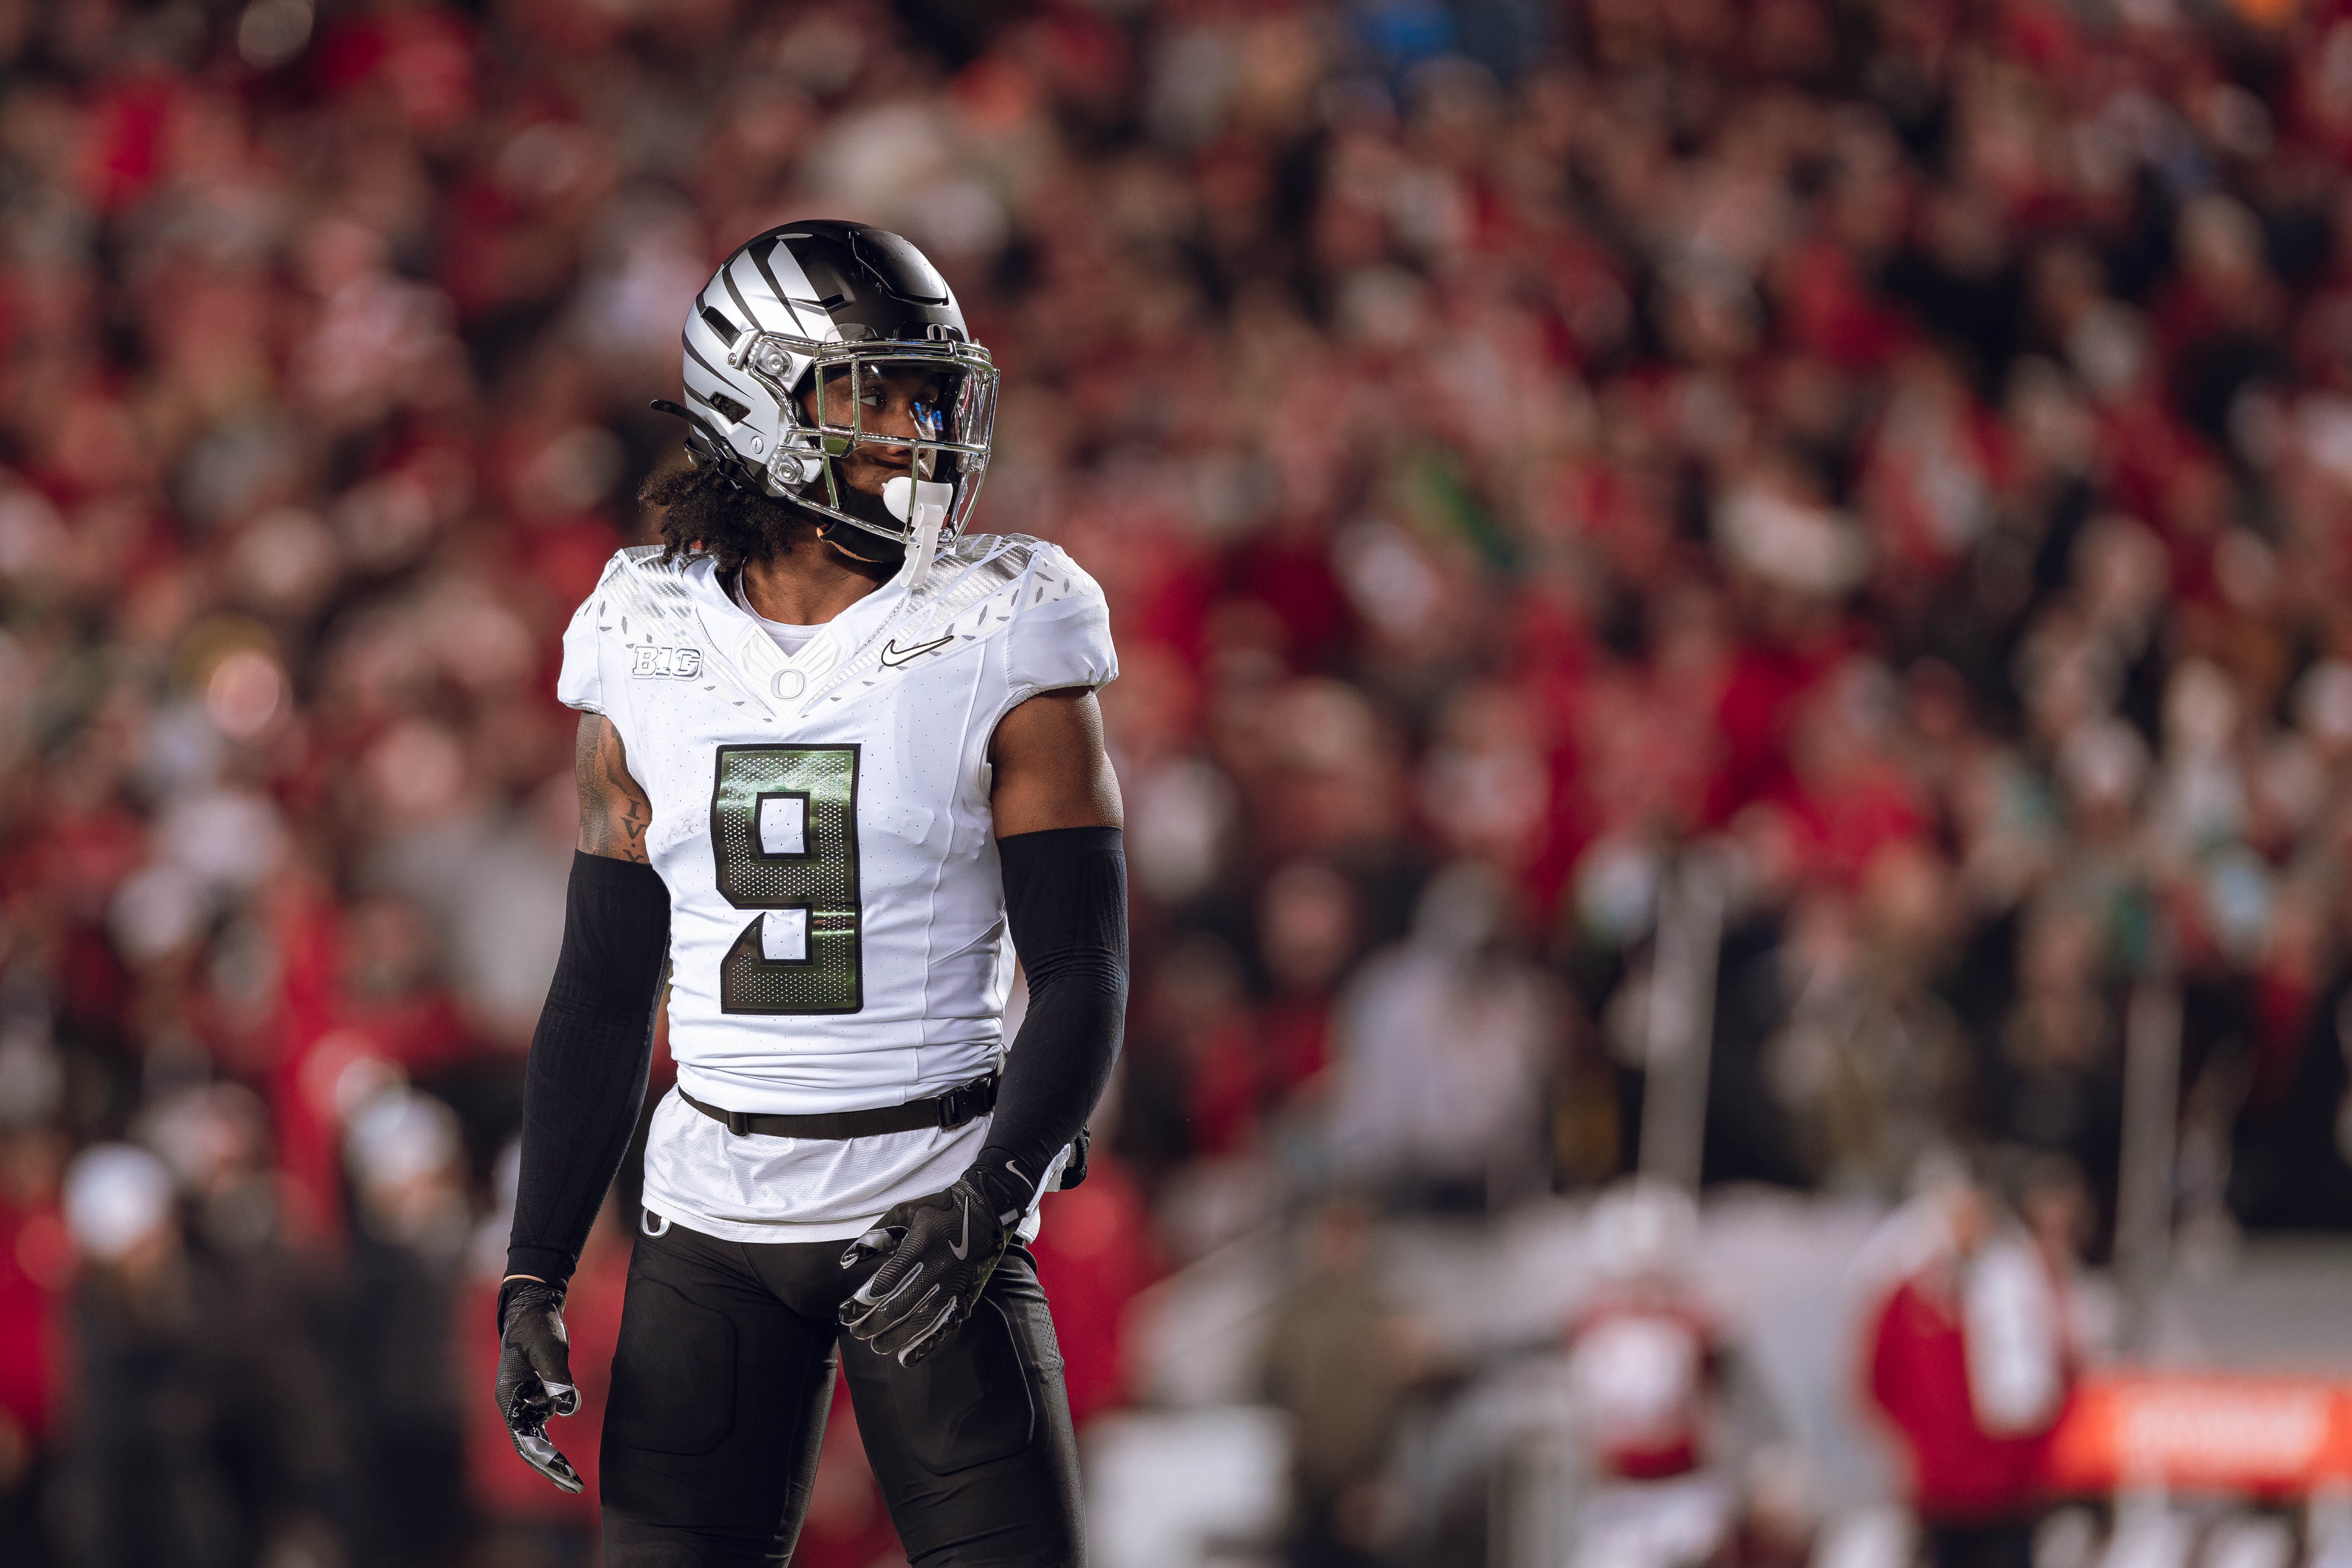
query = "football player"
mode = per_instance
[{"x": 833, "y": 753}]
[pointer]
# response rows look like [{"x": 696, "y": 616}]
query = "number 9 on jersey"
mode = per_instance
[{"x": 783, "y": 829}]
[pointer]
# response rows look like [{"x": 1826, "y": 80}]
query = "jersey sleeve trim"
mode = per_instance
[
  {"x": 631, "y": 596},
  {"x": 1059, "y": 639},
  {"x": 1058, "y": 635}
]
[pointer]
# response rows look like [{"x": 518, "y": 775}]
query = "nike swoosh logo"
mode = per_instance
[
  {"x": 961, "y": 1247},
  {"x": 894, "y": 655}
]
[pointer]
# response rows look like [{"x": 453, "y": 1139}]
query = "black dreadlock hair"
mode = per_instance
[{"x": 703, "y": 512}]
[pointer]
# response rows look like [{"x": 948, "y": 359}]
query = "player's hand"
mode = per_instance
[
  {"x": 937, "y": 1255},
  {"x": 535, "y": 1375}
]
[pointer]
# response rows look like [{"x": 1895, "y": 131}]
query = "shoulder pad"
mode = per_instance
[
  {"x": 988, "y": 567},
  {"x": 640, "y": 593},
  {"x": 639, "y": 600},
  {"x": 1051, "y": 614}
]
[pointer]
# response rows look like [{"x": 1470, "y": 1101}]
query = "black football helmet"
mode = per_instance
[{"x": 781, "y": 346}]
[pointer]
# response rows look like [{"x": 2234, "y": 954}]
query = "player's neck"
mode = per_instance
[{"x": 810, "y": 583}]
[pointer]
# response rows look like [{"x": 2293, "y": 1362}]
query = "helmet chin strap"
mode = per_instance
[{"x": 922, "y": 505}]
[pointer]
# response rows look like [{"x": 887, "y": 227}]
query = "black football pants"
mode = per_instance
[{"x": 721, "y": 1388}]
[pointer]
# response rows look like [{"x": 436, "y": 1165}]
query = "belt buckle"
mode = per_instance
[{"x": 967, "y": 1102}]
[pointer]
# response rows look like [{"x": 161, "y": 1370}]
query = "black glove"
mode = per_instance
[
  {"x": 938, "y": 1252},
  {"x": 535, "y": 1375},
  {"x": 1073, "y": 1170}
]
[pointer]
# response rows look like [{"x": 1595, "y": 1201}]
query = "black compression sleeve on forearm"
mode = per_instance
[
  {"x": 586, "y": 1076},
  {"x": 1065, "y": 900}
]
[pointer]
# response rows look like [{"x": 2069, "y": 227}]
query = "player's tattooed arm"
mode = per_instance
[{"x": 614, "y": 811}]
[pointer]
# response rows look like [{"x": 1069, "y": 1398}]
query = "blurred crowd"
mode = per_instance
[{"x": 1895, "y": 454}]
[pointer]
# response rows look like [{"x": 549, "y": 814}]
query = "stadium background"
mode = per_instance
[{"x": 1895, "y": 456}]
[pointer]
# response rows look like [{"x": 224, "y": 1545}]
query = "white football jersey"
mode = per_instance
[{"x": 837, "y": 937}]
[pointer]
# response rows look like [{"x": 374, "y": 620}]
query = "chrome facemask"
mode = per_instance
[{"x": 948, "y": 452}]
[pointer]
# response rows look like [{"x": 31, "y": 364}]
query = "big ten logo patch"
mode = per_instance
[{"x": 677, "y": 663}]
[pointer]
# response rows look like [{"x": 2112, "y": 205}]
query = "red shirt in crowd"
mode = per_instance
[
  {"x": 35, "y": 1258},
  {"x": 1919, "y": 1377},
  {"x": 1092, "y": 1259}
]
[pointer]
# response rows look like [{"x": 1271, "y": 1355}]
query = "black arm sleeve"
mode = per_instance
[
  {"x": 1065, "y": 900},
  {"x": 586, "y": 1076}
]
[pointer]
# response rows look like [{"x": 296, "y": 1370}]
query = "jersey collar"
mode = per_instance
[{"x": 782, "y": 681}]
